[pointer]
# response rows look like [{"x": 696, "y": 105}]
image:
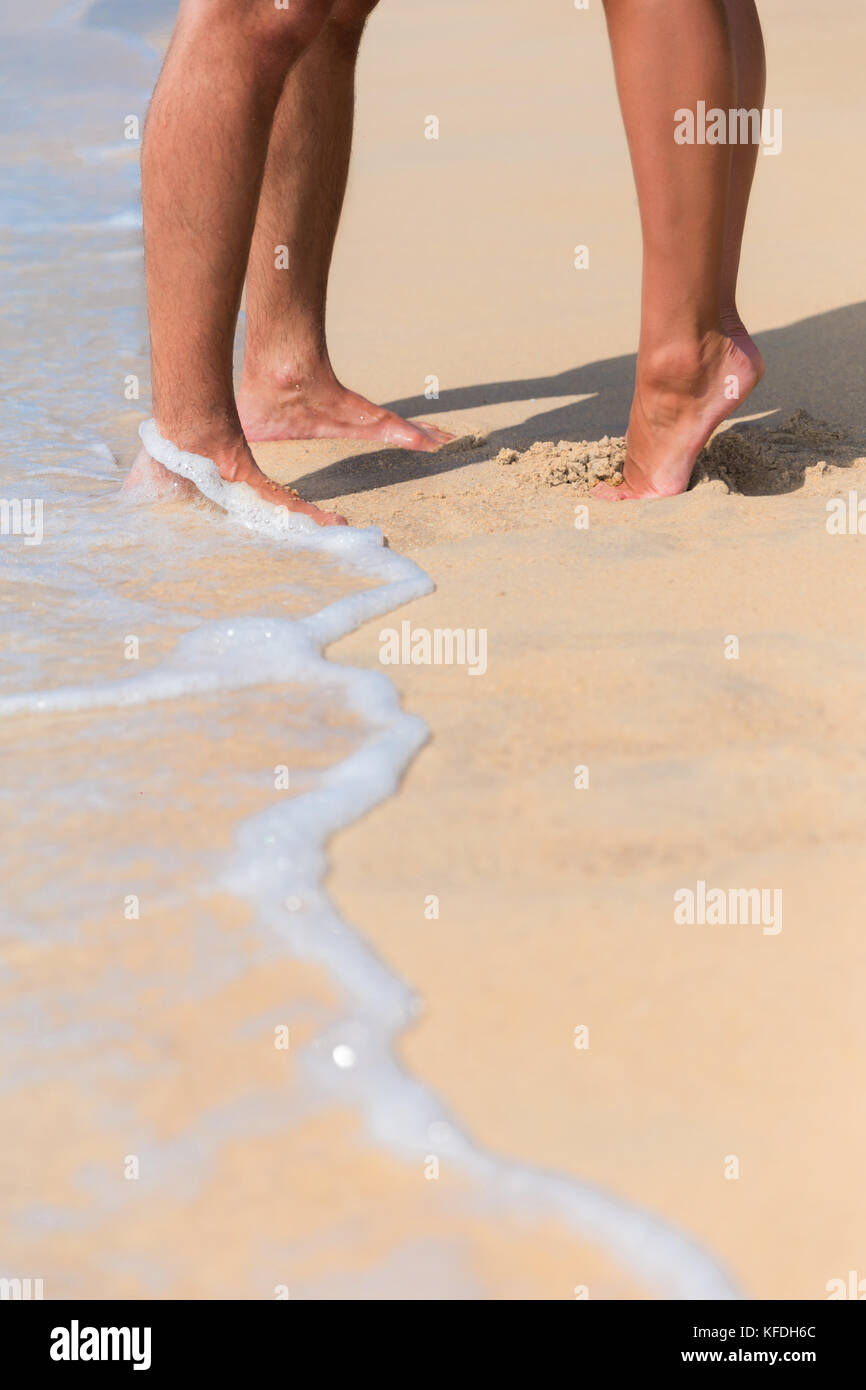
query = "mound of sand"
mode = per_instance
[
  {"x": 750, "y": 459},
  {"x": 755, "y": 459},
  {"x": 585, "y": 464}
]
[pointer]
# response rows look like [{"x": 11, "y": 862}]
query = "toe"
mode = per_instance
[
  {"x": 606, "y": 493},
  {"x": 412, "y": 434},
  {"x": 440, "y": 436},
  {"x": 407, "y": 434}
]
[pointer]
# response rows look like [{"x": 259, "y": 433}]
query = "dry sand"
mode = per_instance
[
  {"x": 607, "y": 650},
  {"x": 607, "y": 638}
]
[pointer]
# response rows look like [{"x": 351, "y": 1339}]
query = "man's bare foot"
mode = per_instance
[
  {"x": 150, "y": 479},
  {"x": 321, "y": 408},
  {"x": 681, "y": 396}
]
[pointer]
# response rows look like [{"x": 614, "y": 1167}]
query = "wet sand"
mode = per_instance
[
  {"x": 609, "y": 651},
  {"x": 607, "y": 648}
]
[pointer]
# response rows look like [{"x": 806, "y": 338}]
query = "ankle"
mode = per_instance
[
  {"x": 732, "y": 323},
  {"x": 211, "y": 437},
  {"x": 681, "y": 365},
  {"x": 293, "y": 380}
]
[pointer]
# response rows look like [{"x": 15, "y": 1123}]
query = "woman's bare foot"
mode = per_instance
[
  {"x": 736, "y": 330},
  {"x": 681, "y": 396},
  {"x": 150, "y": 480},
  {"x": 319, "y": 407}
]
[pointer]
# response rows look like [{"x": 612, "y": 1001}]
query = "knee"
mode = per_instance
[
  {"x": 273, "y": 30},
  {"x": 348, "y": 17},
  {"x": 294, "y": 23}
]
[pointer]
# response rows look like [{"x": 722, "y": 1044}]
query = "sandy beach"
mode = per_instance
[
  {"x": 606, "y": 648},
  {"x": 671, "y": 697}
]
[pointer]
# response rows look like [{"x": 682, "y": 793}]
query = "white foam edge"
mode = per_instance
[
  {"x": 280, "y": 854},
  {"x": 244, "y": 505}
]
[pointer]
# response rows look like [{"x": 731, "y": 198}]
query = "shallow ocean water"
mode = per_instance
[{"x": 176, "y": 754}]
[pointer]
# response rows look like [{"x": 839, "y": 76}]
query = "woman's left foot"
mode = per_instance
[
  {"x": 681, "y": 396},
  {"x": 739, "y": 334}
]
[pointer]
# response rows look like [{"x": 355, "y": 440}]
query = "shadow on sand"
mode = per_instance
[{"x": 817, "y": 365}]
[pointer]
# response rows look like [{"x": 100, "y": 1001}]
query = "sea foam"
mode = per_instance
[
  {"x": 278, "y": 860},
  {"x": 279, "y": 863},
  {"x": 245, "y": 505}
]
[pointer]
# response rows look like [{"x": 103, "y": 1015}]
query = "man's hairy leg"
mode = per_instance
[
  {"x": 202, "y": 164},
  {"x": 289, "y": 388}
]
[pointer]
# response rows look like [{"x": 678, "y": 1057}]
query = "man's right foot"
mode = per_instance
[{"x": 235, "y": 464}]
